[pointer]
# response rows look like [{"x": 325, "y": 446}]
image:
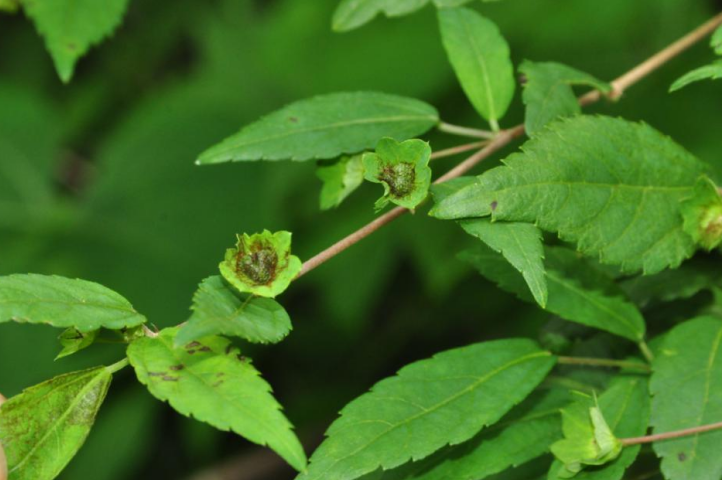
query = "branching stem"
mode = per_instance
[
  {"x": 669, "y": 435},
  {"x": 458, "y": 149},
  {"x": 504, "y": 137},
  {"x": 602, "y": 362}
]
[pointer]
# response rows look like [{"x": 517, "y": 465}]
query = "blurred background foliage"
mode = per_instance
[{"x": 97, "y": 181}]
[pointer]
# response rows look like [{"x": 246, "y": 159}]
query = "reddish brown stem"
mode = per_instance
[{"x": 669, "y": 435}]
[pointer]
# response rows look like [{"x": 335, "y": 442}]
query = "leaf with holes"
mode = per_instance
[
  {"x": 219, "y": 310},
  {"x": 686, "y": 389},
  {"x": 594, "y": 181},
  {"x": 548, "y": 92},
  {"x": 325, "y": 127},
  {"x": 480, "y": 57},
  {"x": 520, "y": 244},
  {"x": 44, "y": 427},
  {"x": 71, "y": 27},
  {"x": 444, "y": 400},
  {"x": 403, "y": 170},
  {"x": 213, "y": 383},
  {"x": 64, "y": 302}
]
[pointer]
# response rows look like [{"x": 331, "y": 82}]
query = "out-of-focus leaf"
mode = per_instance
[
  {"x": 713, "y": 71},
  {"x": 71, "y": 27},
  {"x": 548, "y": 92}
]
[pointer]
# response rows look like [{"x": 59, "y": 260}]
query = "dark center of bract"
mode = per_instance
[
  {"x": 400, "y": 178},
  {"x": 258, "y": 265}
]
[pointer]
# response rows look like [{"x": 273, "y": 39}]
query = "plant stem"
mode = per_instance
[
  {"x": 118, "y": 365},
  {"x": 646, "y": 351},
  {"x": 458, "y": 149},
  {"x": 669, "y": 435},
  {"x": 465, "y": 131},
  {"x": 504, "y": 137},
  {"x": 602, "y": 362}
]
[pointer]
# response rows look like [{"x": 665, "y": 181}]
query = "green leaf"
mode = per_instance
[
  {"x": 480, "y": 57},
  {"x": 73, "y": 341},
  {"x": 594, "y": 182},
  {"x": 261, "y": 264},
  {"x": 716, "y": 41},
  {"x": 548, "y": 92},
  {"x": 687, "y": 392},
  {"x": 522, "y": 435},
  {"x": 219, "y": 310},
  {"x": 71, "y": 27},
  {"x": 9, "y": 6},
  {"x": 444, "y": 400},
  {"x": 340, "y": 179},
  {"x": 211, "y": 382},
  {"x": 713, "y": 71},
  {"x": 326, "y": 127},
  {"x": 442, "y": 190},
  {"x": 521, "y": 245},
  {"x": 702, "y": 214},
  {"x": 625, "y": 406},
  {"x": 684, "y": 282},
  {"x": 577, "y": 291},
  {"x": 402, "y": 168},
  {"x": 352, "y": 14},
  {"x": 63, "y": 302},
  {"x": 45, "y": 426}
]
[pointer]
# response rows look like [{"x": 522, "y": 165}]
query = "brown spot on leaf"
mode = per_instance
[
  {"x": 156, "y": 374},
  {"x": 204, "y": 349},
  {"x": 217, "y": 384},
  {"x": 293, "y": 119},
  {"x": 681, "y": 456},
  {"x": 168, "y": 378},
  {"x": 493, "y": 205},
  {"x": 177, "y": 368},
  {"x": 242, "y": 359},
  {"x": 193, "y": 345}
]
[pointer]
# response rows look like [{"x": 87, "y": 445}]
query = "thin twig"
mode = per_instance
[
  {"x": 465, "y": 131},
  {"x": 504, "y": 137},
  {"x": 669, "y": 435},
  {"x": 458, "y": 149},
  {"x": 602, "y": 362}
]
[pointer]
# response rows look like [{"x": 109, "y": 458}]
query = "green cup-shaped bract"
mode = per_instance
[{"x": 261, "y": 264}]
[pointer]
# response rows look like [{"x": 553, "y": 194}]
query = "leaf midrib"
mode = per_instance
[
  {"x": 330, "y": 126},
  {"x": 65, "y": 414},
  {"x": 443, "y": 403}
]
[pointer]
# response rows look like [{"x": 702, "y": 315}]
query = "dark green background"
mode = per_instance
[{"x": 97, "y": 181}]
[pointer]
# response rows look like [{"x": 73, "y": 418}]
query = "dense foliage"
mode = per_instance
[{"x": 588, "y": 347}]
